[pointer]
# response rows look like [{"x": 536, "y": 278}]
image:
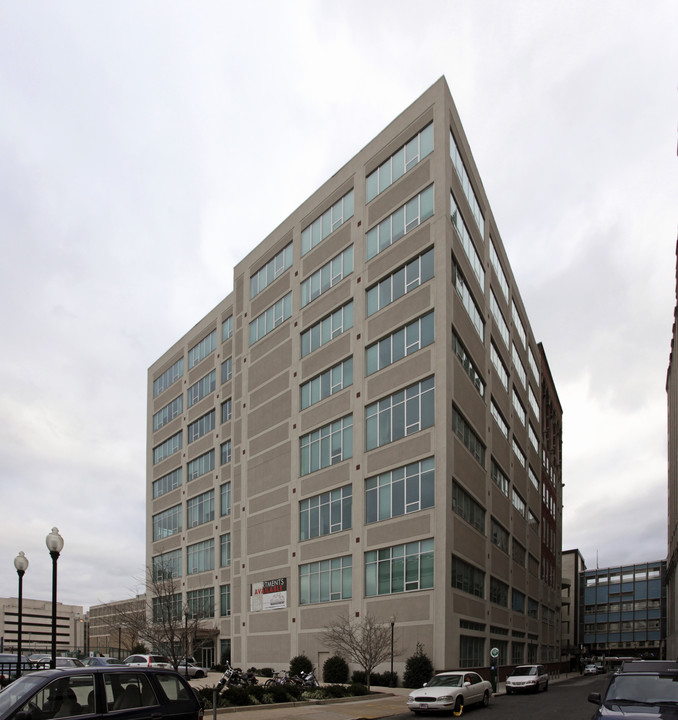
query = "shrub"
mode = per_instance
[
  {"x": 335, "y": 691},
  {"x": 359, "y": 676},
  {"x": 266, "y": 672},
  {"x": 356, "y": 688},
  {"x": 418, "y": 669},
  {"x": 300, "y": 664},
  {"x": 335, "y": 670},
  {"x": 237, "y": 696}
]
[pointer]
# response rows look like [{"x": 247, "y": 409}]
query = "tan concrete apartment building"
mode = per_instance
[{"x": 357, "y": 427}]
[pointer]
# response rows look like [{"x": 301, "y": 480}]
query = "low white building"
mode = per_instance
[{"x": 36, "y": 633}]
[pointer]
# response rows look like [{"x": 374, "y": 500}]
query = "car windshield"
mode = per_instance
[
  {"x": 445, "y": 681},
  {"x": 644, "y": 689},
  {"x": 524, "y": 670},
  {"x": 20, "y": 689}
]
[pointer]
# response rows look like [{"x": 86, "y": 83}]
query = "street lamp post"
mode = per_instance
[
  {"x": 392, "y": 682},
  {"x": 187, "y": 611},
  {"x": 21, "y": 565},
  {"x": 55, "y": 544}
]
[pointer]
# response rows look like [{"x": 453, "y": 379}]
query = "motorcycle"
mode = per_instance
[{"x": 236, "y": 677}]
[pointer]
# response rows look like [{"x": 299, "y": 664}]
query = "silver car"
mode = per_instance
[
  {"x": 527, "y": 678},
  {"x": 154, "y": 661},
  {"x": 450, "y": 691}
]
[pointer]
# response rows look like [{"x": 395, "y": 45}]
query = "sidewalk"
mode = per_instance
[{"x": 384, "y": 703}]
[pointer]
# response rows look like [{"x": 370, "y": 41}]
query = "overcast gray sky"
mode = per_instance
[{"x": 137, "y": 139}]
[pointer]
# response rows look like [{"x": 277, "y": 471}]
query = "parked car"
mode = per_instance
[
  {"x": 450, "y": 691},
  {"x": 65, "y": 662},
  {"x": 640, "y": 690},
  {"x": 528, "y": 678},
  {"x": 98, "y": 660},
  {"x": 600, "y": 668},
  {"x": 129, "y": 693},
  {"x": 156, "y": 661},
  {"x": 8, "y": 666},
  {"x": 590, "y": 669},
  {"x": 194, "y": 671}
]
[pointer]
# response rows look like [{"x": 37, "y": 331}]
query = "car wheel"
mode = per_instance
[
  {"x": 458, "y": 706},
  {"x": 509, "y": 691},
  {"x": 486, "y": 698},
  {"x": 199, "y": 674}
]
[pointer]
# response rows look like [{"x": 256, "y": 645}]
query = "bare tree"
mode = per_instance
[
  {"x": 366, "y": 641},
  {"x": 162, "y": 621}
]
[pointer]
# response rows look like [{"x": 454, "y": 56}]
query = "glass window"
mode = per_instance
[
  {"x": 325, "y": 514},
  {"x": 499, "y": 592},
  {"x": 226, "y": 410},
  {"x": 327, "y": 329},
  {"x": 518, "y": 365},
  {"x": 401, "y": 568},
  {"x": 467, "y": 243},
  {"x": 200, "y": 603},
  {"x": 225, "y": 452},
  {"x": 167, "y": 523},
  {"x": 500, "y": 478},
  {"x": 200, "y": 351},
  {"x": 168, "y": 447},
  {"x": 326, "y": 580},
  {"x": 326, "y": 446},
  {"x": 201, "y": 389},
  {"x": 401, "y": 414},
  {"x": 499, "y": 536},
  {"x": 467, "y": 301},
  {"x": 226, "y": 499},
  {"x": 403, "y": 220},
  {"x": 468, "y": 436},
  {"x": 128, "y": 691},
  {"x": 402, "y": 160},
  {"x": 467, "y": 363},
  {"x": 499, "y": 418},
  {"x": 227, "y": 328},
  {"x": 397, "y": 492},
  {"x": 271, "y": 318},
  {"x": 499, "y": 321},
  {"x": 327, "y": 276},
  {"x": 167, "y": 566},
  {"x": 226, "y": 370},
  {"x": 200, "y": 509},
  {"x": 401, "y": 281},
  {"x": 200, "y": 466},
  {"x": 201, "y": 426},
  {"x": 501, "y": 277},
  {"x": 225, "y": 550},
  {"x": 467, "y": 577},
  {"x": 273, "y": 269},
  {"x": 327, "y": 383},
  {"x": 327, "y": 223},
  {"x": 166, "y": 483},
  {"x": 225, "y": 605},
  {"x": 200, "y": 557},
  {"x": 168, "y": 413},
  {"x": 465, "y": 181},
  {"x": 498, "y": 363},
  {"x": 466, "y": 507},
  {"x": 518, "y": 324},
  {"x": 399, "y": 344},
  {"x": 169, "y": 377}
]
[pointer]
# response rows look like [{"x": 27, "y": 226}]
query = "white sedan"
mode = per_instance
[{"x": 450, "y": 691}]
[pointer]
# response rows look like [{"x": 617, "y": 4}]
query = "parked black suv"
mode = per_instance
[
  {"x": 128, "y": 693},
  {"x": 640, "y": 690}
]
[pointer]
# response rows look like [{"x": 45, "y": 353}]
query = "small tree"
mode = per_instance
[
  {"x": 335, "y": 670},
  {"x": 161, "y": 621},
  {"x": 300, "y": 664},
  {"x": 366, "y": 641},
  {"x": 418, "y": 669}
]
